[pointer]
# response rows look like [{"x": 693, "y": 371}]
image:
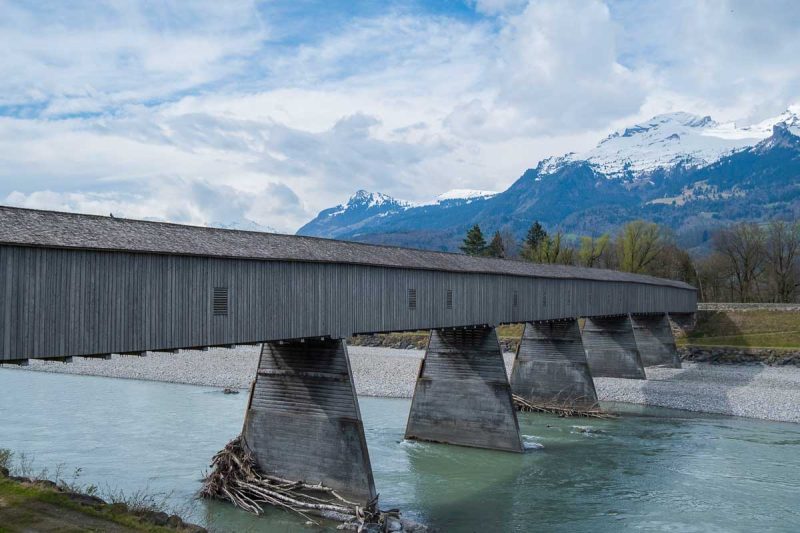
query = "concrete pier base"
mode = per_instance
[
  {"x": 303, "y": 422},
  {"x": 551, "y": 368},
  {"x": 462, "y": 394},
  {"x": 654, "y": 339},
  {"x": 611, "y": 348}
]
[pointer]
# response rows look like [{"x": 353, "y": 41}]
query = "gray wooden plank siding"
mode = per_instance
[
  {"x": 50, "y": 229},
  {"x": 62, "y": 302}
]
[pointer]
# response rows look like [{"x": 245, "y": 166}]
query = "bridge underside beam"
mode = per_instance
[
  {"x": 551, "y": 368},
  {"x": 611, "y": 348},
  {"x": 462, "y": 394},
  {"x": 655, "y": 340},
  {"x": 303, "y": 421}
]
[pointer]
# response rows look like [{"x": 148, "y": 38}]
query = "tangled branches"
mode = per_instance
[
  {"x": 561, "y": 410},
  {"x": 235, "y": 478}
]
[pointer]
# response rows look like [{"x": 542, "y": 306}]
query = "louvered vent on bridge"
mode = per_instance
[
  {"x": 449, "y": 298},
  {"x": 220, "y": 301},
  {"x": 412, "y": 298}
]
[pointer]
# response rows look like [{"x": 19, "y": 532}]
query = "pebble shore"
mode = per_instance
[{"x": 753, "y": 390}]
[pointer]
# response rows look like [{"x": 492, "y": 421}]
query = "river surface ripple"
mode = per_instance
[{"x": 649, "y": 470}]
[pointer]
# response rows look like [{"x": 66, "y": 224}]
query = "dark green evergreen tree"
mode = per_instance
[
  {"x": 535, "y": 241},
  {"x": 536, "y": 235},
  {"x": 496, "y": 248},
  {"x": 474, "y": 243}
]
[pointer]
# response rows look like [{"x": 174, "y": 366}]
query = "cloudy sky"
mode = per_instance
[{"x": 220, "y": 112}]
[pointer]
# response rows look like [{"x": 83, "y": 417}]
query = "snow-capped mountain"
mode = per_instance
[
  {"x": 370, "y": 200},
  {"x": 685, "y": 171},
  {"x": 463, "y": 194},
  {"x": 790, "y": 118},
  {"x": 359, "y": 209},
  {"x": 664, "y": 141},
  {"x": 366, "y": 202},
  {"x": 365, "y": 209}
]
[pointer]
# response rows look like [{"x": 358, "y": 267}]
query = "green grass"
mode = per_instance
[
  {"x": 513, "y": 331},
  {"x": 747, "y": 329},
  {"x": 34, "y": 507}
]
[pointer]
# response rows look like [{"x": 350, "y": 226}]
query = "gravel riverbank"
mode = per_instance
[{"x": 753, "y": 390}]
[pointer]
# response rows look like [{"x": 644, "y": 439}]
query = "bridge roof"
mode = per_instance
[{"x": 51, "y": 229}]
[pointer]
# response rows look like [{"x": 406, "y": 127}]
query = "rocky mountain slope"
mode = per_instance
[{"x": 685, "y": 171}]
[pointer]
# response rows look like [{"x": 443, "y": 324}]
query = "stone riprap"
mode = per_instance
[
  {"x": 732, "y": 355},
  {"x": 752, "y": 390}
]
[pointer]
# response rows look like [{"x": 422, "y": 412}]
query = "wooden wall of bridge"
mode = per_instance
[{"x": 65, "y": 302}]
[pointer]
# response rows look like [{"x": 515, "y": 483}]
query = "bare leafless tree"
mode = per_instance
[
  {"x": 743, "y": 246},
  {"x": 674, "y": 262},
  {"x": 509, "y": 243},
  {"x": 714, "y": 275},
  {"x": 783, "y": 247}
]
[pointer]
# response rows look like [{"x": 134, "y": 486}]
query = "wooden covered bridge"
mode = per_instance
[{"x": 79, "y": 285}]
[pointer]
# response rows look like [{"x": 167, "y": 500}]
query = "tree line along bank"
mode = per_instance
[{"x": 747, "y": 262}]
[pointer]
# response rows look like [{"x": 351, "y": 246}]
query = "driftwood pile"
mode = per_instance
[
  {"x": 564, "y": 410},
  {"x": 235, "y": 477}
]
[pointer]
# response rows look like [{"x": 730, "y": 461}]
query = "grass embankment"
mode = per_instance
[
  {"x": 26, "y": 506},
  {"x": 746, "y": 329},
  {"x": 29, "y": 504},
  {"x": 740, "y": 329},
  {"x": 37, "y": 507}
]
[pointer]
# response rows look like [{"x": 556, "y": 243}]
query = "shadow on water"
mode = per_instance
[
  {"x": 577, "y": 477},
  {"x": 492, "y": 491},
  {"x": 673, "y": 472},
  {"x": 651, "y": 470}
]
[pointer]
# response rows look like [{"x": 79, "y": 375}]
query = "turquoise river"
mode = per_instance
[{"x": 648, "y": 470}]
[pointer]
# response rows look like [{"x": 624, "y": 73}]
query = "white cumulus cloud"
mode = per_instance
[{"x": 215, "y": 112}]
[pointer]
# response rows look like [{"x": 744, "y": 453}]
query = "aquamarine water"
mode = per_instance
[{"x": 649, "y": 470}]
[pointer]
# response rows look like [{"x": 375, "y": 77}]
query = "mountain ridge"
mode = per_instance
[{"x": 685, "y": 171}]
